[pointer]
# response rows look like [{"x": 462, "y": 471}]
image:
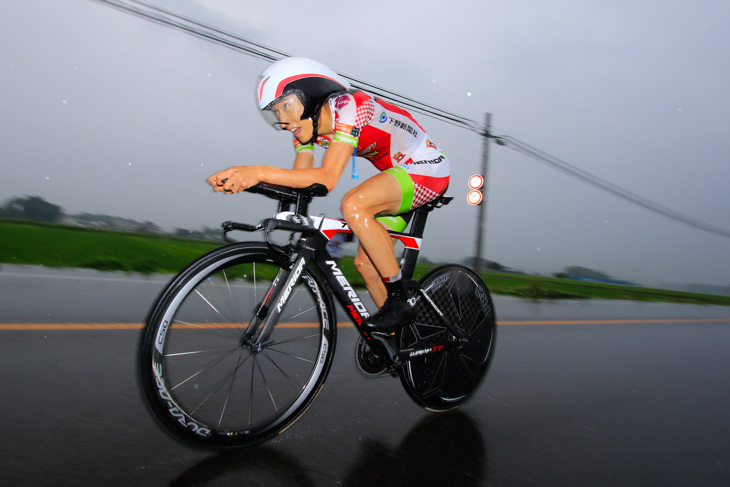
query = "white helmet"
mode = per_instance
[{"x": 311, "y": 81}]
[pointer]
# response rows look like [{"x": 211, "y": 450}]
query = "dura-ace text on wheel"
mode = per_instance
[
  {"x": 443, "y": 381},
  {"x": 200, "y": 375}
]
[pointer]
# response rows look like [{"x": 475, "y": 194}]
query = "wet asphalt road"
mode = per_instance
[{"x": 630, "y": 403}]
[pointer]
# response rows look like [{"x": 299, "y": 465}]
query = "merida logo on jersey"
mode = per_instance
[{"x": 438, "y": 160}]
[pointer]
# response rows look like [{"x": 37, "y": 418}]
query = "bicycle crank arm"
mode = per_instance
[{"x": 389, "y": 346}]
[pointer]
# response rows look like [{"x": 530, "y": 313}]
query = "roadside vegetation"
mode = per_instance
[{"x": 52, "y": 245}]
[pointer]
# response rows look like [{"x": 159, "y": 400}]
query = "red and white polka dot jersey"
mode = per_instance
[{"x": 387, "y": 136}]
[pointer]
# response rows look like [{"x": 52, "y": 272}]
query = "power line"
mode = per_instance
[
  {"x": 246, "y": 46},
  {"x": 195, "y": 28},
  {"x": 608, "y": 186}
]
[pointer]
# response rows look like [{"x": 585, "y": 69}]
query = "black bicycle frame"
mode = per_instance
[{"x": 311, "y": 251}]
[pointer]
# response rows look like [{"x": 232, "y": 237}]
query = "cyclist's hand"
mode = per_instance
[{"x": 235, "y": 179}]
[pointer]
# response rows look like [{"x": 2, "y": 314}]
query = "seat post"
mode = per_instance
[{"x": 418, "y": 225}]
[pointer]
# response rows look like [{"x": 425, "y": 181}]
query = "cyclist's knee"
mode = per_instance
[{"x": 351, "y": 205}]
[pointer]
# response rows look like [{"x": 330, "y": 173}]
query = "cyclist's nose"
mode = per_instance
[{"x": 285, "y": 118}]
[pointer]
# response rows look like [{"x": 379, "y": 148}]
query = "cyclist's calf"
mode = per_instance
[{"x": 371, "y": 276}]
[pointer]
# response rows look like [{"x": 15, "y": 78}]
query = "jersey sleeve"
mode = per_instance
[
  {"x": 352, "y": 111},
  {"x": 299, "y": 147}
]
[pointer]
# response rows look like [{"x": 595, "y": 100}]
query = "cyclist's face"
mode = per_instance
[{"x": 289, "y": 112}]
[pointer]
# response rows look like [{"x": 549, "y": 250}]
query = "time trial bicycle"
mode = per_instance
[{"x": 240, "y": 342}]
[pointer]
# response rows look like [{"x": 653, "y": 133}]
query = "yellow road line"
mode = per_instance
[{"x": 137, "y": 326}]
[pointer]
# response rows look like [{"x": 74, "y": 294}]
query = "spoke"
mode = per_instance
[
  {"x": 206, "y": 367},
  {"x": 291, "y": 355},
  {"x": 298, "y": 339},
  {"x": 221, "y": 383},
  {"x": 230, "y": 389},
  {"x": 187, "y": 323},
  {"x": 225, "y": 320},
  {"x": 266, "y": 383},
  {"x": 234, "y": 302},
  {"x": 298, "y": 314},
  {"x": 210, "y": 304},
  {"x": 286, "y": 376},
  {"x": 206, "y": 326},
  {"x": 195, "y": 352},
  {"x": 233, "y": 329}
]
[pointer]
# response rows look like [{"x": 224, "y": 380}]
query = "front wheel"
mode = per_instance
[
  {"x": 202, "y": 380},
  {"x": 443, "y": 381}
]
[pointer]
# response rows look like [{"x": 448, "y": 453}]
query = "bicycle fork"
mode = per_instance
[{"x": 257, "y": 335}]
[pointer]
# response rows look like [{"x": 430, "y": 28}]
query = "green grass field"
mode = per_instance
[{"x": 61, "y": 246}]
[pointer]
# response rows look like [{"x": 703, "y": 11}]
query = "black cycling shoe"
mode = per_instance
[{"x": 394, "y": 314}]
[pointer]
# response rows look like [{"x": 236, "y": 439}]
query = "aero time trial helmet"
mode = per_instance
[{"x": 311, "y": 81}]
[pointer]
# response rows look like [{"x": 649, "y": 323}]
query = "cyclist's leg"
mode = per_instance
[
  {"x": 380, "y": 195},
  {"x": 370, "y": 275}
]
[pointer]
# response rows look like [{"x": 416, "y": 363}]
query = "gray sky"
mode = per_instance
[{"x": 104, "y": 112}]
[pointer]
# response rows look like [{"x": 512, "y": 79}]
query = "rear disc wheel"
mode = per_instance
[{"x": 443, "y": 381}]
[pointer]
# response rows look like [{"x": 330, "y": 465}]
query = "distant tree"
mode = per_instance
[
  {"x": 584, "y": 272},
  {"x": 32, "y": 208},
  {"x": 494, "y": 266},
  {"x": 148, "y": 227},
  {"x": 204, "y": 234},
  {"x": 485, "y": 264},
  {"x": 183, "y": 232}
]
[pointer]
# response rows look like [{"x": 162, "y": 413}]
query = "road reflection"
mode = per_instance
[
  {"x": 443, "y": 449},
  {"x": 269, "y": 466}
]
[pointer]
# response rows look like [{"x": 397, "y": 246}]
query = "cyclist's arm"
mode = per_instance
[
  {"x": 238, "y": 178},
  {"x": 304, "y": 160}
]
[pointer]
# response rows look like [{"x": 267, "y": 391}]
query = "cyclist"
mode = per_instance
[{"x": 317, "y": 106}]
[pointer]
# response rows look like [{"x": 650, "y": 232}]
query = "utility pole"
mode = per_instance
[{"x": 483, "y": 203}]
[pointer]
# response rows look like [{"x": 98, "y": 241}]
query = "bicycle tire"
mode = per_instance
[
  {"x": 199, "y": 380},
  {"x": 443, "y": 381}
]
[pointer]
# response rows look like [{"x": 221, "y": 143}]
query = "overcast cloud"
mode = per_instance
[{"x": 104, "y": 112}]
